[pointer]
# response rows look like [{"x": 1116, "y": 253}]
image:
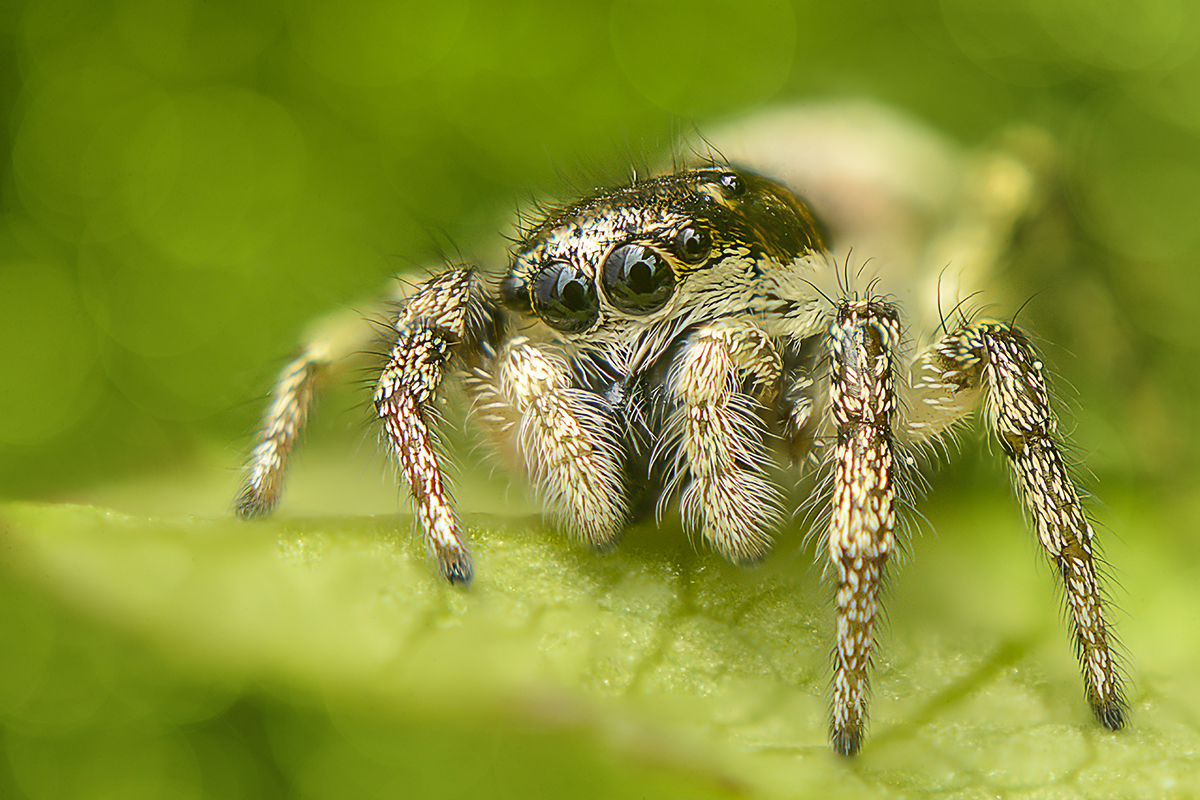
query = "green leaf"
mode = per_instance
[{"x": 323, "y": 656}]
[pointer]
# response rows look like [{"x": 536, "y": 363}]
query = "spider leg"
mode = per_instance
[
  {"x": 567, "y": 438},
  {"x": 428, "y": 329},
  {"x": 997, "y": 359},
  {"x": 718, "y": 433},
  {"x": 330, "y": 346},
  {"x": 862, "y": 342}
]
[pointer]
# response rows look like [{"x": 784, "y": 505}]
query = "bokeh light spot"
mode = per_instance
[
  {"x": 1175, "y": 94},
  {"x": 48, "y": 353},
  {"x": 1140, "y": 185},
  {"x": 706, "y": 58},
  {"x": 377, "y": 42},
  {"x": 1046, "y": 42},
  {"x": 53, "y": 137},
  {"x": 1007, "y": 42},
  {"x": 190, "y": 38},
  {"x": 212, "y": 175},
  {"x": 154, "y": 306},
  {"x": 1120, "y": 35}
]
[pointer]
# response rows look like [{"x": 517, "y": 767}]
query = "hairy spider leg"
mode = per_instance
[
  {"x": 998, "y": 360},
  {"x": 428, "y": 329},
  {"x": 332, "y": 344},
  {"x": 863, "y": 339},
  {"x": 568, "y": 438},
  {"x": 718, "y": 433},
  {"x": 282, "y": 425}
]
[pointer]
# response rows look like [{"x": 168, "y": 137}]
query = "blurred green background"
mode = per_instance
[{"x": 188, "y": 183}]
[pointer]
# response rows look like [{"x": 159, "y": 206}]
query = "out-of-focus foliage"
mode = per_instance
[{"x": 188, "y": 181}]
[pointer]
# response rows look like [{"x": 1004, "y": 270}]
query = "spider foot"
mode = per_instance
[
  {"x": 1110, "y": 714},
  {"x": 847, "y": 739},
  {"x": 454, "y": 562}
]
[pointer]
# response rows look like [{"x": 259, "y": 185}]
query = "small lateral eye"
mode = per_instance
[
  {"x": 514, "y": 293},
  {"x": 637, "y": 279},
  {"x": 733, "y": 184},
  {"x": 565, "y": 298},
  {"x": 692, "y": 245}
]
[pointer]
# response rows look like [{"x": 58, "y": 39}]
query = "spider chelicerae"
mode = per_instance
[{"x": 688, "y": 340}]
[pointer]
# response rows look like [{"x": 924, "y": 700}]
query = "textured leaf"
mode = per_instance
[{"x": 658, "y": 670}]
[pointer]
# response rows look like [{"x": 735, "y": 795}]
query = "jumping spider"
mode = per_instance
[{"x": 687, "y": 338}]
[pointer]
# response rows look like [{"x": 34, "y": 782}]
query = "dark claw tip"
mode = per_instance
[
  {"x": 1111, "y": 715},
  {"x": 251, "y": 505},
  {"x": 456, "y": 567},
  {"x": 845, "y": 742}
]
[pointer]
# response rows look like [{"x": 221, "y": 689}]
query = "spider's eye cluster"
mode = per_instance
[
  {"x": 638, "y": 279},
  {"x": 564, "y": 296}
]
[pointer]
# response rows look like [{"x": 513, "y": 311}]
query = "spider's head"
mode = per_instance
[{"x": 694, "y": 241}]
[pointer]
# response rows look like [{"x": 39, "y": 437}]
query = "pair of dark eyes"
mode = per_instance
[{"x": 637, "y": 278}]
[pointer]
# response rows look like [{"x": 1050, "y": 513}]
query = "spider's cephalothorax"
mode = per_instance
[
  {"x": 681, "y": 248},
  {"x": 666, "y": 344}
]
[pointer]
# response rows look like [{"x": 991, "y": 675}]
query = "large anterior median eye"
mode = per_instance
[
  {"x": 564, "y": 297},
  {"x": 638, "y": 280}
]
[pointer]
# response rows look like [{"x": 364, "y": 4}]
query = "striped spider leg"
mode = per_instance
[
  {"x": 996, "y": 364},
  {"x": 992, "y": 363}
]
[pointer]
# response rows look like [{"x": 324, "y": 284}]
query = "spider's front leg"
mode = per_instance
[
  {"x": 429, "y": 328},
  {"x": 862, "y": 343},
  {"x": 997, "y": 359},
  {"x": 719, "y": 435},
  {"x": 566, "y": 436}
]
